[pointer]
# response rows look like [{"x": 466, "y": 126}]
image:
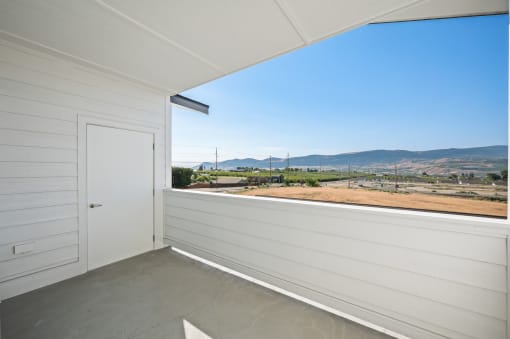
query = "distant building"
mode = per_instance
[{"x": 258, "y": 180}]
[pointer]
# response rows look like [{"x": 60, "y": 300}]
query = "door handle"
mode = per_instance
[{"x": 95, "y": 205}]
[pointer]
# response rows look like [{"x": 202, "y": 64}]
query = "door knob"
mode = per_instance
[{"x": 95, "y": 205}]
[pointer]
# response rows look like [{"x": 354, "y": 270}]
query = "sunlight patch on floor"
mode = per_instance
[{"x": 193, "y": 332}]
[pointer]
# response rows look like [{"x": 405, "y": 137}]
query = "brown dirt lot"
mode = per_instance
[{"x": 376, "y": 198}]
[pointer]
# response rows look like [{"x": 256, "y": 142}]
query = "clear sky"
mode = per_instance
[{"x": 416, "y": 86}]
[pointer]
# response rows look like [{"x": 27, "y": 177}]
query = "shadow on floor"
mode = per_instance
[{"x": 162, "y": 294}]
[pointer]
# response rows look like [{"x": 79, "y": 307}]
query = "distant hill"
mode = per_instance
[{"x": 439, "y": 161}]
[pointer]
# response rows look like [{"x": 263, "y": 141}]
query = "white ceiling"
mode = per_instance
[{"x": 174, "y": 45}]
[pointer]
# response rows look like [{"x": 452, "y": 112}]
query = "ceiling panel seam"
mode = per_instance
[
  {"x": 383, "y": 20},
  {"x": 293, "y": 21},
  {"x": 161, "y": 37},
  {"x": 255, "y": 62},
  {"x": 376, "y": 17},
  {"x": 408, "y": 4}
]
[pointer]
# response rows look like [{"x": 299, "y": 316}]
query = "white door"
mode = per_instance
[{"x": 120, "y": 181}]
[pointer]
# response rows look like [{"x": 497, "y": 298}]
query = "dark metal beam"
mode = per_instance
[{"x": 189, "y": 103}]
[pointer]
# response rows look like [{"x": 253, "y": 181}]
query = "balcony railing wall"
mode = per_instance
[{"x": 422, "y": 275}]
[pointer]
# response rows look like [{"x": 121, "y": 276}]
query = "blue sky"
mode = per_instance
[{"x": 416, "y": 85}]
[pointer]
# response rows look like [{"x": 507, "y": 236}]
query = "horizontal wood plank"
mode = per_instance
[
  {"x": 34, "y": 200},
  {"x": 30, "y": 264},
  {"x": 386, "y": 229},
  {"x": 21, "y": 233},
  {"x": 32, "y": 185},
  {"x": 36, "y": 215},
  {"x": 36, "y": 154},
  {"x": 37, "y": 170},
  {"x": 459, "y": 270},
  {"x": 36, "y": 139},
  {"x": 23, "y": 122},
  {"x": 40, "y": 245}
]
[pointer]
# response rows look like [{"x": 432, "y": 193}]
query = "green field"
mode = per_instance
[
  {"x": 297, "y": 176},
  {"x": 290, "y": 176}
]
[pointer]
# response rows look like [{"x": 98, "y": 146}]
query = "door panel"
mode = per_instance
[{"x": 120, "y": 181}]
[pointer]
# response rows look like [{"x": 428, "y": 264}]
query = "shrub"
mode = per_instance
[
  {"x": 181, "y": 177},
  {"x": 202, "y": 178},
  {"x": 312, "y": 182},
  {"x": 504, "y": 174},
  {"x": 493, "y": 176}
]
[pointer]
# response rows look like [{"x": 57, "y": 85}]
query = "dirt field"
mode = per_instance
[{"x": 378, "y": 198}]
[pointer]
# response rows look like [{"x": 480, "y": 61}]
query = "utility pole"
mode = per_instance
[
  {"x": 396, "y": 179},
  {"x": 216, "y": 166},
  {"x": 270, "y": 169},
  {"x": 288, "y": 166},
  {"x": 320, "y": 169},
  {"x": 349, "y": 176}
]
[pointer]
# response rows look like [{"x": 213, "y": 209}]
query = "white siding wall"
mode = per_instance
[
  {"x": 41, "y": 98},
  {"x": 426, "y": 276}
]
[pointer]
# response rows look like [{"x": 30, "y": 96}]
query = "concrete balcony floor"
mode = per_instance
[{"x": 162, "y": 294}]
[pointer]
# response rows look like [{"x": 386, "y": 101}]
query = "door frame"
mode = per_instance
[{"x": 157, "y": 205}]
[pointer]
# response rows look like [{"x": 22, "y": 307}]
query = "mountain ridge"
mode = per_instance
[{"x": 485, "y": 158}]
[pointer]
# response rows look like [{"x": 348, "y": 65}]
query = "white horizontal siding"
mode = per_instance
[
  {"x": 65, "y": 99},
  {"x": 18, "y": 121},
  {"x": 31, "y": 185},
  {"x": 93, "y": 84},
  {"x": 439, "y": 278},
  {"x": 412, "y": 232},
  {"x": 36, "y": 154},
  {"x": 37, "y": 170},
  {"x": 442, "y": 267},
  {"x": 34, "y": 200},
  {"x": 41, "y": 98},
  {"x": 27, "y": 106},
  {"x": 39, "y": 214},
  {"x": 12, "y": 269},
  {"x": 33, "y": 231},
  {"x": 62, "y": 84},
  {"x": 43, "y": 244},
  {"x": 36, "y": 139}
]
